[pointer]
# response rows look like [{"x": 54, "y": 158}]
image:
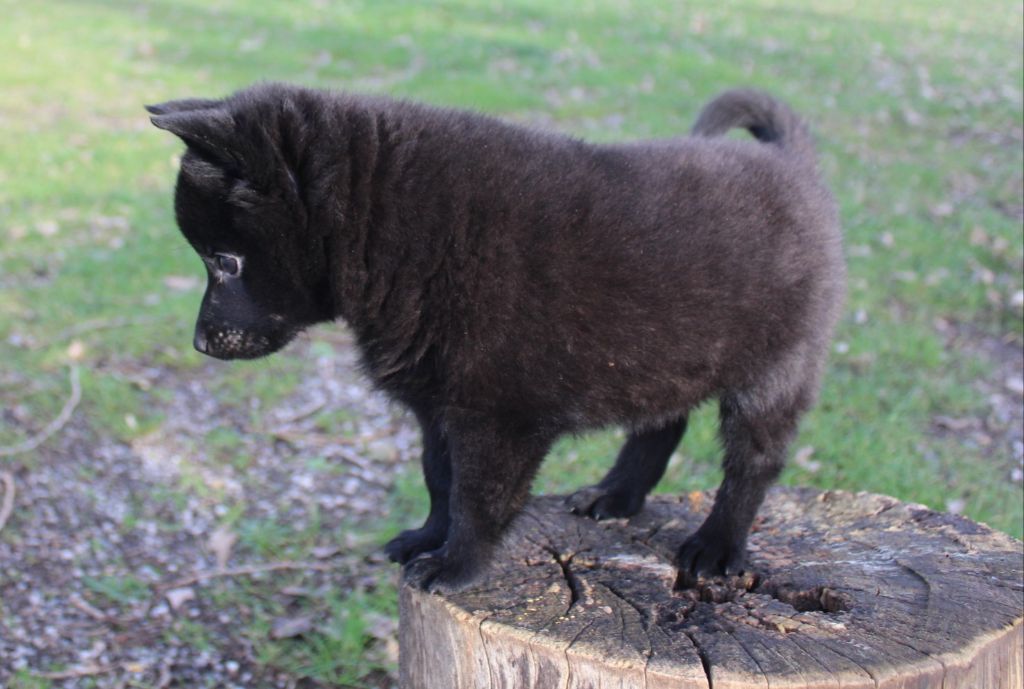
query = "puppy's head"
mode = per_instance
[{"x": 239, "y": 204}]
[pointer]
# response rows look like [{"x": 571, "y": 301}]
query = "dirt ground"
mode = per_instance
[{"x": 118, "y": 570}]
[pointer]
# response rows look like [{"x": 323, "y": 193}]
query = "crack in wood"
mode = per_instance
[
  {"x": 568, "y": 664},
  {"x": 483, "y": 645},
  {"x": 570, "y": 577},
  {"x": 702, "y": 654}
]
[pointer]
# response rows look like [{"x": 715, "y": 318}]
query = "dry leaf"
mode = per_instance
[
  {"x": 287, "y": 627},
  {"x": 178, "y": 597},
  {"x": 802, "y": 459},
  {"x": 221, "y": 541},
  {"x": 181, "y": 283},
  {"x": 76, "y": 350},
  {"x": 47, "y": 228},
  {"x": 954, "y": 424}
]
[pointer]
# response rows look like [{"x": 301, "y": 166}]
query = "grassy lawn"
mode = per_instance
[{"x": 917, "y": 107}]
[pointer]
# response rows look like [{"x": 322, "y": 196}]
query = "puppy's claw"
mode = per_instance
[
  {"x": 411, "y": 543},
  {"x": 433, "y": 573},
  {"x": 604, "y": 503}
]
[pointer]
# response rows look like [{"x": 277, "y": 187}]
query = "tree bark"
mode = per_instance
[{"x": 843, "y": 590}]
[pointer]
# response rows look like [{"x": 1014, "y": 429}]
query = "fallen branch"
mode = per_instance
[
  {"x": 247, "y": 571},
  {"x": 55, "y": 425},
  {"x": 8, "y": 504}
]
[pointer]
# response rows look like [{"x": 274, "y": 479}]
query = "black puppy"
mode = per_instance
[{"x": 509, "y": 286}]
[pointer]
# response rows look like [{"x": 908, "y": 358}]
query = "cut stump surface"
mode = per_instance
[{"x": 844, "y": 590}]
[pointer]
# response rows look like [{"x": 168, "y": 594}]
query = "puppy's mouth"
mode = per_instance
[{"x": 234, "y": 343}]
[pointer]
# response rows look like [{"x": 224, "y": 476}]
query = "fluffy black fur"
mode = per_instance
[{"x": 509, "y": 286}]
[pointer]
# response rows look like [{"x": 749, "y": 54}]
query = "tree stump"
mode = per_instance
[{"x": 844, "y": 591}]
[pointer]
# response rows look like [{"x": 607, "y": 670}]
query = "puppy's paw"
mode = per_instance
[
  {"x": 435, "y": 572},
  {"x": 707, "y": 554},
  {"x": 600, "y": 503},
  {"x": 412, "y": 542}
]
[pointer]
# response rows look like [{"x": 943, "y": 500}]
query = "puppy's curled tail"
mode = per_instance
[{"x": 769, "y": 120}]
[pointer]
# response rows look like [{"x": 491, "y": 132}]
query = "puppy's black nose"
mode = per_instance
[{"x": 199, "y": 342}]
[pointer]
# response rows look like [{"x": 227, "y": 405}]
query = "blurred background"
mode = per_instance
[{"x": 171, "y": 521}]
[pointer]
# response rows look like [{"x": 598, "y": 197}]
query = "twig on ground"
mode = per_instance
[
  {"x": 99, "y": 324},
  {"x": 247, "y": 571},
  {"x": 81, "y": 671},
  {"x": 164, "y": 680},
  {"x": 304, "y": 413},
  {"x": 7, "y": 478},
  {"x": 55, "y": 425},
  {"x": 295, "y": 438},
  {"x": 83, "y": 605}
]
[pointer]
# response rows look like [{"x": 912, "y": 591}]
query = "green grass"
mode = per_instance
[
  {"x": 120, "y": 590},
  {"x": 917, "y": 106},
  {"x": 25, "y": 680},
  {"x": 335, "y": 652}
]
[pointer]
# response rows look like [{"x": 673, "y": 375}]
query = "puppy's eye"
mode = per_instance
[{"x": 229, "y": 265}]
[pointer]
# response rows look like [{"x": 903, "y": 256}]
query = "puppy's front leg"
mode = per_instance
[
  {"x": 493, "y": 464},
  {"x": 437, "y": 472}
]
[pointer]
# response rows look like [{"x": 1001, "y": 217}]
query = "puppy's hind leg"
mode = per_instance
[
  {"x": 756, "y": 433},
  {"x": 437, "y": 472},
  {"x": 640, "y": 465}
]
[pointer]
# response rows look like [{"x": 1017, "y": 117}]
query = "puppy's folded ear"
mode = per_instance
[{"x": 208, "y": 129}]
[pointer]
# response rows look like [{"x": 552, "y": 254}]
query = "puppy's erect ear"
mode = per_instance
[
  {"x": 208, "y": 128},
  {"x": 182, "y": 105}
]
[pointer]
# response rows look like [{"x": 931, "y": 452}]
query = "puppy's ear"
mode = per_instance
[
  {"x": 208, "y": 130},
  {"x": 182, "y": 105}
]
